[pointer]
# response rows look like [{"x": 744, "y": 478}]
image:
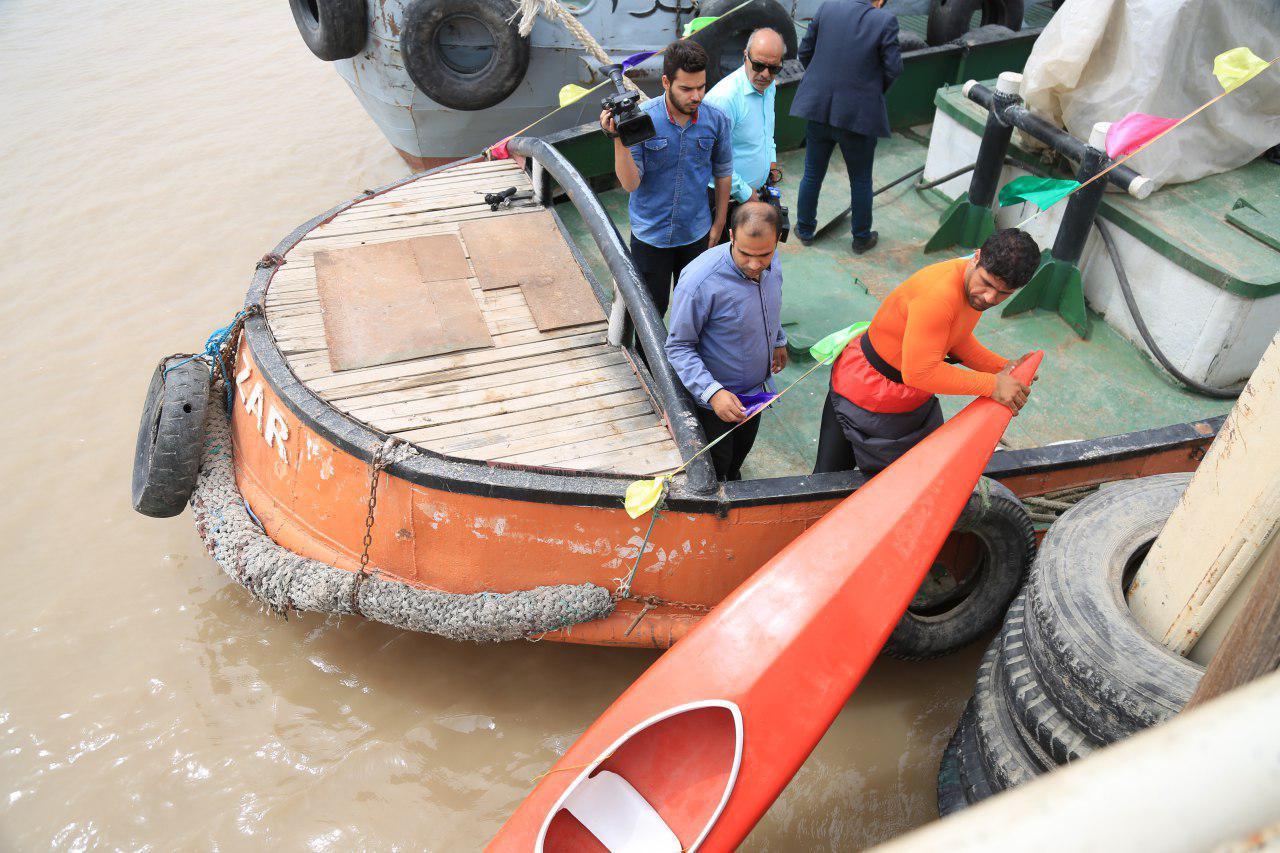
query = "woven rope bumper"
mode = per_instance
[{"x": 284, "y": 580}]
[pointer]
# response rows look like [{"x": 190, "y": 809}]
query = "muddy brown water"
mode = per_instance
[{"x": 152, "y": 152}]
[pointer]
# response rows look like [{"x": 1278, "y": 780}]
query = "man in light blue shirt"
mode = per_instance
[
  {"x": 665, "y": 175},
  {"x": 726, "y": 339},
  {"x": 747, "y": 97}
]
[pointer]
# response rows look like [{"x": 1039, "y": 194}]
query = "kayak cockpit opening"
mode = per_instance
[{"x": 661, "y": 786}]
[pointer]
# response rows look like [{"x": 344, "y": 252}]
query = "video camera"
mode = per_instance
[
  {"x": 633, "y": 124},
  {"x": 770, "y": 194}
]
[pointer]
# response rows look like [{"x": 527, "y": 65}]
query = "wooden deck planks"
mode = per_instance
[
  {"x": 559, "y": 399},
  {"x": 389, "y": 302},
  {"x": 526, "y": 420}
]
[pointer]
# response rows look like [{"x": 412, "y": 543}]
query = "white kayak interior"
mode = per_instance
[
  {"x": 562, "y": 398},
  {"x": 618, "y": 815}
]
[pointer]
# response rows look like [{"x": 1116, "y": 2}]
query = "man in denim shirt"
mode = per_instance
[
  {"x": 726, "y": 337},
  {"x": 666, "y": 175}
]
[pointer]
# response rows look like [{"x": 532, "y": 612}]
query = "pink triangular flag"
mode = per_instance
[
  {"x": 1133, "y": 131},
  {"x": 498, "y": 151}
]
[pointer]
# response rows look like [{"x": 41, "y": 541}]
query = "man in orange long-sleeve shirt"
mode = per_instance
[{"x": 882, "y": 400}]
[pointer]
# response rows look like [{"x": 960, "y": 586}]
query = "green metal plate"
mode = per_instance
[{"x": 1260, "y": 220}]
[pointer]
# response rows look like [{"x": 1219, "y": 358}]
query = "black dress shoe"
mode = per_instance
[
  {"x": 863, "y": 244},
  {"x": 806, "y": 241}
]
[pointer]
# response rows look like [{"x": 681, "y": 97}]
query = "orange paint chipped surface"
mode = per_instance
[{"x": 312, "y": 499}]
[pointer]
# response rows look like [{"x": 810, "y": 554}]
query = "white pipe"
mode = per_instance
[
  {"x": 1208, "y": 776},
  {"x": 1098, "y": 136},
  {"x": 1009, "y": 82}
]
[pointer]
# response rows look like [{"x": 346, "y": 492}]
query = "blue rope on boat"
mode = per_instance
[{"x": 213, "y": 348}]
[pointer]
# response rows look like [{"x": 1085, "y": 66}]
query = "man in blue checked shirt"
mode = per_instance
[
  {"x": 747, "y": 97},
  {"x": 726, "y": 339},
  {"x": 666, "y": 175}
]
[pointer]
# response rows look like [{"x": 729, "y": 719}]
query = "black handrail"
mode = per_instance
[
  {"x": 1014, "y": 113},
  {"x": 651, "y": 332}
]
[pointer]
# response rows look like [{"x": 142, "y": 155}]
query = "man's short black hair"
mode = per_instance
[
  {"x": 1011, "y": 256},
  {"x": 683, "y": 55},
  {"x": 755, "y": 218}
]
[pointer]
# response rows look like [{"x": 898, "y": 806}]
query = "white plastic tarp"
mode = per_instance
[{"x": 1099, "y": 60}]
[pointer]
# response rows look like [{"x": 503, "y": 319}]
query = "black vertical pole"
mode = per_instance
[
  {"x": 994, "y": 147},
  {"x": 1082, "y": 207}
]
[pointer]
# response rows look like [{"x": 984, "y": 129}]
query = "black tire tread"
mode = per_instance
[
  {"x": 1005, "y": 755},
  {"x": 167, "y": 461},
  {"x": 442, "y": 84},
  {"x": 1101, "y": 669},
  {"x": 996, "y": 516},
  {"x": 973, "y": 774},
  {"x": 342, "y": 31},
  {"x": 1052, "y": 731},
  {"x": 951, "y": 796}
]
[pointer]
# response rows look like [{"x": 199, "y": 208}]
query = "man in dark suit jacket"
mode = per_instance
[{"x": 851, "y": 57}]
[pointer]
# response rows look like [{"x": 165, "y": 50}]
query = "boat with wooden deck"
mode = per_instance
[{"x": 520, "y": 449}]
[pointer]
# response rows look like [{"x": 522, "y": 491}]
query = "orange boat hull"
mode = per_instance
[{"x": 311, "y": 497}]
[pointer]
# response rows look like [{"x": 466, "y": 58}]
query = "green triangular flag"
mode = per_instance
[
  {"x": 697, "y": 24},
  {"x": 1044, "y": 193},
  {"x": 833, "y": 344}
]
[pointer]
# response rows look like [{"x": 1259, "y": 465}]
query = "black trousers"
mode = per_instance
[
  {"x": 660, "y": 268},
  {"x": 728, "y": 214},
  {"x": 727, "y": 456},
  {"x": 851, "y": 436}
]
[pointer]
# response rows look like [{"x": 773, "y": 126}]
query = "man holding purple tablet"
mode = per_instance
[{"x": 726, "y": 340}]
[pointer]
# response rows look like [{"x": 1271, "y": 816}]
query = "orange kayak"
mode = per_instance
[{"x": 697, "y": 749}]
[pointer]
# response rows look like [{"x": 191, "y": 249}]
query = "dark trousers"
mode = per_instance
[
  {"x": 727, "y": 456},
  {"x": 728, "y": 214},
  {"x": 660, "y": 268},
  {"x": 851, "y": 436},
  {"x": 859, "y": 152}
]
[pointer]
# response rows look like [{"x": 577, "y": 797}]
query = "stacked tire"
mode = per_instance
[{"x": 1071, "y": 669}]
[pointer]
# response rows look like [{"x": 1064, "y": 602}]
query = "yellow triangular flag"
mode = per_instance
[
  {"x": 571, "y": 93},
  {"x": 643, "y": 495},
  {"x": 1237, "y": 66}
]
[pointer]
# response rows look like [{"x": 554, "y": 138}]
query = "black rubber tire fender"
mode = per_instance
[
  {"x": 1004, "y": 751},
  {"x": 332, "y": 29},
  {"x": 447, "y": 86},
  {"x": 1099, "y": 665},
  {"x": 951, "y": 798},
  {"x": 1049, "y": 730},
  {"x": 949, "y": 19},
  {"x": 984, "y": 35},
  {"x": 909, "y": 41},
  {"x": 1001, "y": 523},
  {"x": 975, "y": 781},
  {"x": 170, "y": 437},
  {"x": 725, "y": 40}
]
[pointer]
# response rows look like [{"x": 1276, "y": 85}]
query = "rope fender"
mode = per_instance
[{"x": 283, "y": 580}]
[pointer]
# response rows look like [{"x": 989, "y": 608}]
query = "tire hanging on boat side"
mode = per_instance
[
  {"x": 449, "y": 82},
  {"x": 332, "y": 29},
  {"x": 725, "y": 42},
  {"x": 949, "y": 19},
  {"x": 938, "y": 625},
  {"x": 170, "y": 437}
]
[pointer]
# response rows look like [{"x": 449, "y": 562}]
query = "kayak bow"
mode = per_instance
[{"x": 693, "y": 753}]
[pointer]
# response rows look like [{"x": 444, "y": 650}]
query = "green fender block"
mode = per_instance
[
  {"x": 1056, "y": 286},
  {"x": 964, "y": 224}
]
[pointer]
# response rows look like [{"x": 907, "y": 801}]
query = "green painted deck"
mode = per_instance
[{"x": 1102, "y": 386}]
